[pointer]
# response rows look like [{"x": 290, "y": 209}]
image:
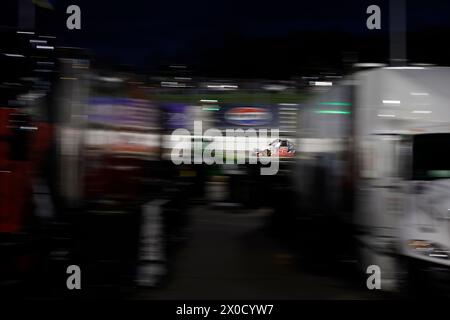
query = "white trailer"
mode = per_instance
[{"x": 374, "y": 152}]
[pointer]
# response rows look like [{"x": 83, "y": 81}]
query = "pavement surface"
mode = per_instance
[{"x": 235, "y": 255}]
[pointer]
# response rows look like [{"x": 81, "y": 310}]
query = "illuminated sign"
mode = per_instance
[{"x": 248, "y": 116}]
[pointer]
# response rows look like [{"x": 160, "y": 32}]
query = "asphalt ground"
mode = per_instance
[{"x": 235, "y": 254}]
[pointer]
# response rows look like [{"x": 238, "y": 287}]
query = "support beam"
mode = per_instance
[{"x": 397, "y": 32}]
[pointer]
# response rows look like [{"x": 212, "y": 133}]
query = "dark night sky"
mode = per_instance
[
  {"x": 176, "y": 28},
  {"x": 241, "y": 33}
]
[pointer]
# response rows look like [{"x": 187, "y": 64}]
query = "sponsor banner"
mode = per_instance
[
  {"x": 176, "y": 115},
  {"x": 256, "y": 116},
  {"x": 123, "y": 112}
]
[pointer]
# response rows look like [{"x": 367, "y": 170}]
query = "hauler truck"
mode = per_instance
[{"x": 374, "y": 153}]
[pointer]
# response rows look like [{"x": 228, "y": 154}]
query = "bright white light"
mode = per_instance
[
  {"x": 28, "y": 128},
  {"x": 387, "y": 115},
  {"x": 172, "y": 84},
  {"x": 369, "y": 65},
  {"x": 45, "y": 47},
  {"x": 221, "y": 86},
  {"x": 31, "y": 96},
  {"x": 25, "y": 32},
  {"x": 391, "y": 101},
  {"x": 422, "y": 111},
  {"x": 321, "y": 83},
  {"x": 274, "y": 87},
  {"x": 38, "y": 41},
  {"x": 110, "y": 79},
  {"x": 419, "y": 94},
  {"x": 288, "y": 104},
  {"x": 14, "y": 55},
  {"x": 208, "y": 100}
]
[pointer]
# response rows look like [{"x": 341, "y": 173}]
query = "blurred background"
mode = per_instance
[{"x": 86, "y": 176}]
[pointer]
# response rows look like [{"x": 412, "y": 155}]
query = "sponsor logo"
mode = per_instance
[{"x": 248, "y": 116}]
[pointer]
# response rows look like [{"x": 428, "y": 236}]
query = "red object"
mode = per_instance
[
  {"x": 16, "y": 175},
  {"x": 284, "y": 152}
]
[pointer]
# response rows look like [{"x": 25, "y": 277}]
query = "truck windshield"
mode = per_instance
[{"x": 431, "y": 157}]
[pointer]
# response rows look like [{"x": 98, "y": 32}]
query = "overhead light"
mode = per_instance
[
  {"x": 14, "y": 55},
  {"x": 38, "y": 41},
  {"x": 369, "y": 65},
  {"x": 110, "y": 79},
  {"x": 27, "y": 128},
  {"x": 45, "y": 47},
  {"x": 321, "y": 83},
  {"x": 274, "y": 87},
  {"x": 208, "y": 101},
  {"x": 221, "y": 86},
  {"x": 383, "y": 115},
  {"x": 391, "y": 101},
  {"x": 422, "y": 111},
  {"x": 172, "y": 84},
  {"x": 419, "y": 94}
]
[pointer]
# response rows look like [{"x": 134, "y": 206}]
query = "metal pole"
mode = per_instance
[{"x": 397, "y": 32}]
